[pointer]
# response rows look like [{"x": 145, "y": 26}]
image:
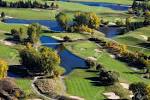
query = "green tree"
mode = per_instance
[
  {"x": 3, "y": 16},
  {"x": 147, "y": 18},
  {"x": 33, "y": 33},
  {"x": 63, "y": 20},
  {"x": 3, "y": 68},
  {"x": 21, "y": 35},
  {"x": 89, "y": 19},
  {"x": 128, "y": 23}
]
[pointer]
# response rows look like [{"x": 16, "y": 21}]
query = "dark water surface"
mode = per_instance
[
  {"x": 52, "y": 25},
  {"x": 112, "y": 6},
  {"x": 68, "y": 60}
]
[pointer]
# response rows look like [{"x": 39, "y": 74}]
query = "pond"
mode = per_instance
[
  {"x": 52, "y": 25},
  {"x": 112, "y": 6},
  {"x": 68, "y": 60}
]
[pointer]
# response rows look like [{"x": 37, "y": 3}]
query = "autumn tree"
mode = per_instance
[
  {"x": 3, "y": 68},
  {"x": 88, "y": 18},
  {"x": 44, "y": 60}
]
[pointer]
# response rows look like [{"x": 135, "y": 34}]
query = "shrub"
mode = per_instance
[
  {"x": 108, "y": 77},
  {"x": 90, "y": 63},
  {"x": 120, "y": 22},
  {"x": 66, "y": 38},
  {"x": 139, "y": 88}
]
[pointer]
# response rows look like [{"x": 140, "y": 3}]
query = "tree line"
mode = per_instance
[{"x": 28, "y": 4}]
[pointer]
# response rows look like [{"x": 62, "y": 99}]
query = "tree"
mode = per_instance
[
  {"x": 147, "y": 18},
  {"x": 63, "y": 20},
  {"x": 15, "y": 33},
  {"x": 3, "y": 68},
  {"x": 108, "y": 77},
  {"x": 3, "y": 16},
  {"x": 21, "y": 35},
  {"x": 128, "y": 23},
  {"x": 49, "y": 60},
  {"x": 139, "y": 90},
  {"x": 44, "y": 60},
  {"x": 33, "y": 33},
  {"x": 89, "y": 19}
]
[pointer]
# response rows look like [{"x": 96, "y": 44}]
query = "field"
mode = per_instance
[
  {"x": 79, "y": 84},
  {"x": 136, "y": 40},
  {"x": 125, "y": 71}
]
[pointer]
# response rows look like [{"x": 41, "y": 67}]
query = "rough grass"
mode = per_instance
[
  {"x": 126, "y": 74},
  {"x": 9, "y": 54},
  {"x": 25, "y": 85},
  {"x": 68, "y": 7},
  {"x": 78, "y": 84},
  {"x": 126, "y": 2},
  {"x": 134, "y": 38}
]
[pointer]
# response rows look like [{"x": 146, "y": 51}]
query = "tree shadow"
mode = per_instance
[
  {"x": 94, "y": 81},
  {"x": 93, "y": 71},
  {"x": 145, "y": 45},
  {"x": 18, "y": 71},
  {"x": 134, "y": 73}
]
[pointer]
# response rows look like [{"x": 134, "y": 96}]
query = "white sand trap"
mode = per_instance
[
  {"x": 36, "y": 9},
  {"x": 8, "y": 17},
  {"x": 76, "y": 98},
  {"x": 111, "y": 95},
  {"x": 144, "y": 37},
  {"x": 58, "y": 38},
  {"x": 92, "y": 58},
  {"x": 97, "y": 50},
  {"x": 7, "y": 43},
  {"x": 112, "y": 56},
  {"x": 125, "y": 85}
]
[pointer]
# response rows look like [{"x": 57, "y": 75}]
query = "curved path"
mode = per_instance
[{"x": 36, "y": 90}]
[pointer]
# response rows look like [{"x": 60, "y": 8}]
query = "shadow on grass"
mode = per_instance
[
  {"x": 134, "y": 72},
  {"x": 145, "y": 45}
]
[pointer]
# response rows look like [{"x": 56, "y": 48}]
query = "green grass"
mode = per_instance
[
  {"x": 126, "y": 74},
  {"x": 134, "y": 38},
  {"x": 78, "y": 85},
  {"x": 25, "y": 85},
  {"x": 68, "y": 7},
  {"x": 9, "y": 54},
  {"x": 7, "y": 27},
  {"x": 126, "y": 2}
]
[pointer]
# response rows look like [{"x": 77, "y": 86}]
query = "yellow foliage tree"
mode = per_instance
[{"x": 3, "y": 68}]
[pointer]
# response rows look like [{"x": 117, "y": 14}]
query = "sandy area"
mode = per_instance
[
  {"x": 125, "y": 85},
  {"x": 144, "y": 37},
  {"x": 58, "y": 38},
  {"x": 36, "y": 9},
  {"x": 7, "y": 43},
  {"x": 92, "y": 58},
  {"x": 111, "y": 95},
  {"x": 76, "y": 98},
  {"x": 97, "y": 50},
  {"x": 112, "y": 56}
]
